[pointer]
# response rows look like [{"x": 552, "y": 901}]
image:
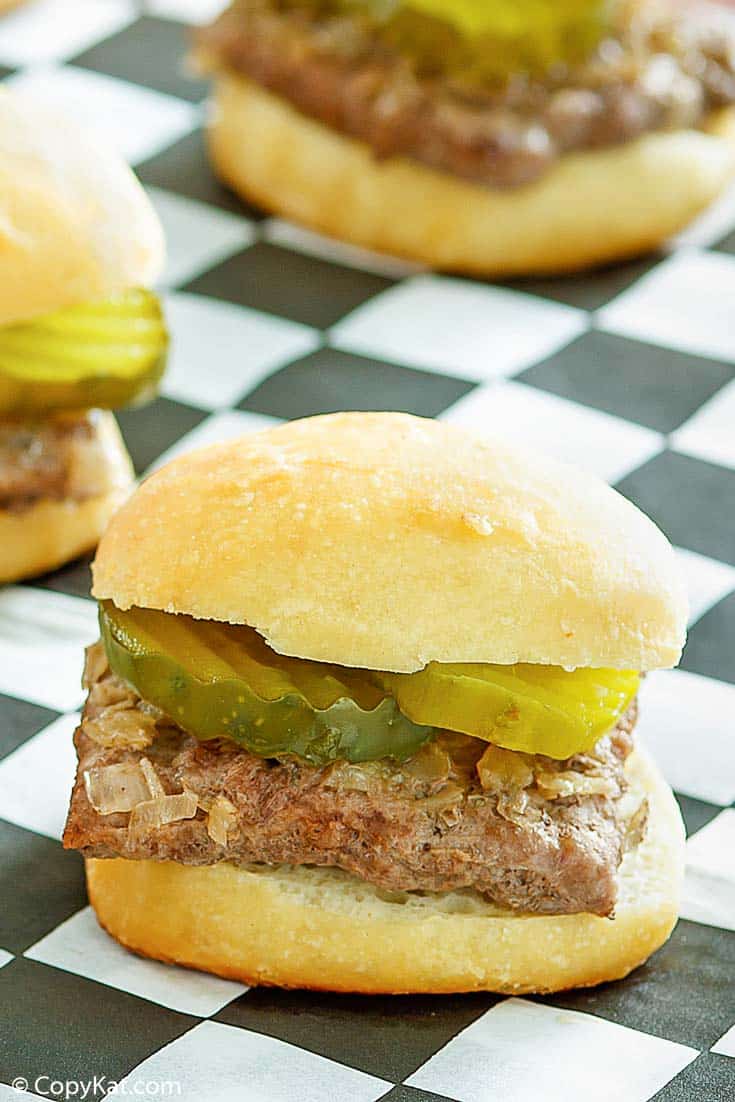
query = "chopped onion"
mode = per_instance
[
  {"x": 431, "y": 764},
  {"x": 560, "y": 785},
  {"x": 500, "y": 770},
  {"x": 356, "y": 777},
  {"x": 154, "y": 785},
  {"x": 127, "y": 729},
  {"x": 95, "y": 664},
  {"x": 221, "y": 819},
  {"x": 203, "y": 802},
  {"x": 447, "y": 796},
  {"x": 513, "y": 805},
  {"x": 353, "y": 778},
  {"x": 635, "y": 825},
  {"x": 112, "y": 788},
  {"x": 151, "y": 814}
]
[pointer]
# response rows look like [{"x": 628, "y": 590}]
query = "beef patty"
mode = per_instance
[
  {"x": 332, "y": 64},
  {"x": 51, "y": 458},
  {"x": 529, "y": 833}
]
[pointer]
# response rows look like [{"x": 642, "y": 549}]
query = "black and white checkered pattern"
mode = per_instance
[{"x": 629, "y": 372}]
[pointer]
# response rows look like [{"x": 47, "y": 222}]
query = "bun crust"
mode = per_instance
[
  {"x": 387, "y": 541},
  {"x": 324, "y": 929},
  {"x": 591, "y": 208},
  {"x": 75, "y": 224},
  {"x": 51, "y": 533}
]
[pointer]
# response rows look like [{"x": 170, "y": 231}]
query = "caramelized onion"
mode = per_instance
[
  {"x": 221, "y": 819},
  {"x": 635, "y": 826},
  {"x": 95, "y": 664},
  {"x": 431, "y": 765},
  {"x": 554, "y": 786},
  {"x": 151, "y": 814},
  {"x": 357, "y": 777},
  {"x": 154, "y": 785},
  {"x": 204, "y": 802},
  {"x": 448, "y": 796},
  {"x": 500, "y": 770},
  {"x": 124, "y": 729},
  {"x": 112, "y": 788}
]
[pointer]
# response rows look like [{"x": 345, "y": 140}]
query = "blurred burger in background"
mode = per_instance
[
  {"x": 480, "y": 135},
  {"x": 80, "y": 334}
]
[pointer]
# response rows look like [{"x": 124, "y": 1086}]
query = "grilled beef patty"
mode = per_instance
[
  {"x": 660, "y": 73},
  {"x": 54, "y": 458},
  {"x": 528, "y": 838}
]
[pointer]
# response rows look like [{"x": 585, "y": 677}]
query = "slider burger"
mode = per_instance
[
  {"x": 362, "y": 716},
  {"x": 79, "y": 333},
  {"x": 489, "y": 136}
]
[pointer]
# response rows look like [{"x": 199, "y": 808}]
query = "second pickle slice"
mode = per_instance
[
  {"x": 532, "y": 708},
  {"x": 222, "y": 680}
]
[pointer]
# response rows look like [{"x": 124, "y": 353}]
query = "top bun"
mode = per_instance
[
  {"x": 75, "y": 224},
  {"x": 387, "y": 541}
]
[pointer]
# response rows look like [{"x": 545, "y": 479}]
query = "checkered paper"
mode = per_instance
[{"x": 629, "y": 372}]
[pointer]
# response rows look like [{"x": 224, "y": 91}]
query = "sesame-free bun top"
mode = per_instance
[
  {"x": 387, "y": 541},
  {"x": 75, "y": 224}
]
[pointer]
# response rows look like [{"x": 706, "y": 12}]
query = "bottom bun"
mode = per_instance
[
  {"x": 590, "y": 208},
  {"x": 325, "y": 929},
  {"x": 50, "y": 533}
]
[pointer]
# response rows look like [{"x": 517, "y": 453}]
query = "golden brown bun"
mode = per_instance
[
  {"x": 387, "y": 541},
  {"x": 75, "y": 223},
  {"x": 591, "y": 208},
  {"x": 321, "y": 928},
  {"x": 50, "y": 533}
]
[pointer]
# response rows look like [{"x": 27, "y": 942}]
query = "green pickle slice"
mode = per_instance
[
  {"x": 536, "y": 709},
  {"x": 223, "y": 680},
  {"x": 493, "y": 39},
  {"x": 100, "y": 355},
  {"x": 219, "y": 680}
]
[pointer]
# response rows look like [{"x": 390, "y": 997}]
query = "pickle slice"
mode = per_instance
[
  {"x": 536, "y": 709},
  {"x": 529, "y": 18},
  {"x": 96, "y": 355},
  {"x": 222, "y": 680},
  {"x": 480, "y": 41}
]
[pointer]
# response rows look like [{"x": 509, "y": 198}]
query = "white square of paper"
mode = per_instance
[
  {"x": 79, "y": 945},
  {"x": 36, "y": 779},
  {"x": 52, "y": 30},
  {"x": 220, "y": 352},
  {"x": 710, "y": 433},
  {"x": 458, "y": 328},
  {"x": 42, "y": 639},
  {"x": 521, "y": 1050},
  {"x": 707, "y": 580},
  {"x": 221, "y": 1063},
  {"x": 607, "y": 446},
  {"x": 726, "y": 1044},
  {"x": 686, "y": 720},
  {"x": 684, "y": 303},
  {"x": 137, "y": 121},
  {"x": 709, "y": 882},
  {"x": 197, "y": 236},
  {"x": 10, "y": 1094}
]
